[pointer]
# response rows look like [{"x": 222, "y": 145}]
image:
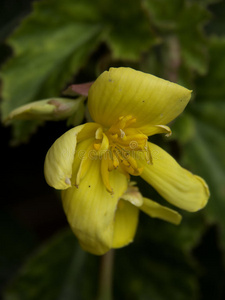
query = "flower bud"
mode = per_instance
[{"x": 52, "y": 109}]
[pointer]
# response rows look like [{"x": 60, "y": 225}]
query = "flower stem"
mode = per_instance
[{"x": 106, "y": 276}]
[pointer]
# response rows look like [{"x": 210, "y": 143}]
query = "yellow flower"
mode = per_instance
[{"x": 92, "y": 163}]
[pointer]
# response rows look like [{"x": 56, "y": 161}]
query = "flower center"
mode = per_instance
[{"x": 117, "y": 147}]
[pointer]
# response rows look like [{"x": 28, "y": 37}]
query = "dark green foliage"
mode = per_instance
[{"x": 72, "y": 41}]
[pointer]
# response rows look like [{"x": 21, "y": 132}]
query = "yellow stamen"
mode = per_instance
[
  {"x": 98, "y": 133},
  {"x": 147, "y": 154},
  {"x": 105, "y": 144},
  {"x": 115, "y": 160},
  {"x": 102, "y": 145},
  {"x": 84, "y": 164},
  {"x": 122, "y": 123},
  {"x": 116, "y": 147},
  {"x": 97, "y": 146},
  {"x": 122, "y": 135},
  {"x": 132, "y": 162},
  {"x": 105, "y": 174},
  {"x": 110, "y": 165}
]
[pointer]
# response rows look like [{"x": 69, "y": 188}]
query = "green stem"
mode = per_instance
[{"x": 106, "y": 276}]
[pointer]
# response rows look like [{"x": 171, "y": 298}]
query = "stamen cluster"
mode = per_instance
[{"x": 116, "y": 147}]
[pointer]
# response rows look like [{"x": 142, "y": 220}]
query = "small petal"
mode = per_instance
[
  {"x": 155, "y": 129},
  {"x": 124, "y": 91},
  {"x": 60, "y": 157},
  {"x": 78, "y": 89},
  {"x": 174, "y": 183},
  {"x": 88, "y": 131},
  {"x": 90, "y": 209},
  {"x": 133, "y": 196},
  {"x": 125, "y": 226},
  {"x": 155, "y": 210}
]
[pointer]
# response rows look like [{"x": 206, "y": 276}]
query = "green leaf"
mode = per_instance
[
  {"x": 217, "y": 26},
  {"x": 22, "y": 130},
  {"x": 164, "y": 16},
  {"x": 129, "y": 29},
  {"x": 61, "y": 270},
  {"x": 205, "y": 2},
  {"x": 207, "y": 111},
  {"x": 203, "y": 150},
  {"x": 51, "y": 45},
  {"x": 57, "y": 271},
  {"x": 205, "y": 153},
  {"x": 192, "y": 38},
  {"x": 13, "y": 233},
  {"x": 47, "y": 54},
  {"x": 163, "y": 265},
  {"x": 183, "y": 21},
  {"x": 57, "y": 39},
  {"x": 211, "y": 87},
  {"x": 161, "y": 251}
]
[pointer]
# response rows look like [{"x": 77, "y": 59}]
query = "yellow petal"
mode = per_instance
[
  {"x": 155, "y": 210},
  {"x": 133, "y": 196},
  {"x": 124, "y": 91},
  {"x": 60, "y": 157},
  {"x": 126, "y": 221},
  {"x": 90, "y": 209},
  {"x": 155, "y": 129},
  {"x": 89, "y": 131},
  {"x": 177, "y": 185}
]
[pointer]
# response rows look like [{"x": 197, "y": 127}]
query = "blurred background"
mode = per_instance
[{"x": 45, "y": 47}]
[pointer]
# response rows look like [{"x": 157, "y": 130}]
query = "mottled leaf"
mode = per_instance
[
  {"x": 57, "y": 39},
  {"x": 50, "y": 45},
  {"x": 56, "y": 271},
  {"x": 184, "y": 21},
  {"x": 203, "y": 149},
  {"x": 129, "y": 32}
]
